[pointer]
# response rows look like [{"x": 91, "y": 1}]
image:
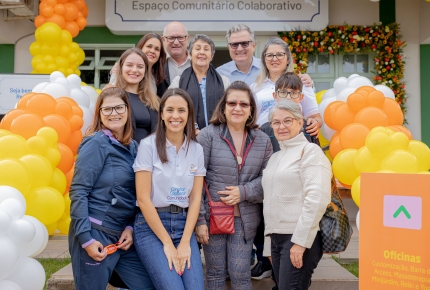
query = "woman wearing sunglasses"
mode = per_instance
[
  {"x": 235, "y": 156},
  {"x": 104, "y": 199}
]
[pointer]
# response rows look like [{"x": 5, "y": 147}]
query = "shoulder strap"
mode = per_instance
[
  {"x": 207, "y": 190},
  {"x": 303, "y": 150}
]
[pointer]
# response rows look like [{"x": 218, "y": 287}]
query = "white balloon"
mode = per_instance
[
  {"x": 388, "y": 93},
  {"x": 14, "y": 207},
  {"x": 63, "y": 81},
  {"x": 328, "y": 132},
  {"x": 38, "y": 243},
  {"x": 21, "y": 231},
  {"x": 339, "y": 84},
  {"x": 92, "y": 107},
  {"x": 344, "y": 94},
  {"x": 56, "y": 90},
  {"x": 358, "y": 81},
  {"x": 74, "y": 81},
  {"x": 91, "y": 92},
  {"x": 329, "y": 94},
  {"x": 55, "y": 75},
  {"x": 357, "y": 220},
  {"x": 9, "y": 285},
  {"x": 88, "y": 119},
  {"x": 5, "y": 221},
  {"x": 9, "y": 191},
  {"x": 28, "y": 274},
  {"x": 8, "y": 257},
  {"x": 39, "y": 87},
  {"x": 80, "y": 97},
  {"x": 324, "y": 104},
  {"x": 353, "y": 76}
]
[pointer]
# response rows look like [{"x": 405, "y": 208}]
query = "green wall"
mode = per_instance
[
  {"x": 103, "y": 35},
  {"x": 7, "y": 55},
  {"x": 425, "y": 92}
]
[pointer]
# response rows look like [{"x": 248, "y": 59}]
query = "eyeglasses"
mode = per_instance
[
  {"x": 279, "y": 55},
  {"x": 173, "y": 38},
  {"x": 287, "y": 122},
  {"x": 120, "y": 109},
  {"x": 233, "y": 104},
  {"x": 292, "y": 95},
  {"x": 244, "y": 44}
]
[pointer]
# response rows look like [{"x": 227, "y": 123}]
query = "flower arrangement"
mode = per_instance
[{"x": 383, "y": 40}]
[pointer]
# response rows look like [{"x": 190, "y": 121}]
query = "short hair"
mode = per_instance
[
  {"x": 112, "y": 92},
  {"x": 203, "y": 37},
  {"x": 158, "y": 67},
  {"x": 238, "y": 28},
  {"x": 218, "y": 116},
  {"x": 264, "y": 70},
  {"x": 289, "y": 106},
  {"x": 160, "y": 132},
  {"x": 165, "y": 27},
  {"x": 289, "y": 80}
]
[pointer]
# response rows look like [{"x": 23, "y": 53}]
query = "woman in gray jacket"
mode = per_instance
[{"x": 235, "y": 155}]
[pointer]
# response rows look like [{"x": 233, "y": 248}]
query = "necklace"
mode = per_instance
[{"x": 239, "y": 156}]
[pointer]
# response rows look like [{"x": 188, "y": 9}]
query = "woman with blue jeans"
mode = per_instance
[{"x": 169, "y": 177}]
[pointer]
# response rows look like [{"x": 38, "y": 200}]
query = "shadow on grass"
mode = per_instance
[
  {"x": 53, "y": 265},
  {"x": 351, "y": 267}
]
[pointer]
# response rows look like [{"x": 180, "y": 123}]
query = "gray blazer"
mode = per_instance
[{"x": 222, "y": 171}]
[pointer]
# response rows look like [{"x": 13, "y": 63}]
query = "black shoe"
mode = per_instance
[
  {"x": 275, "y": 287},
  {"x": 261, "y": 271},
  {"x": 253, "y": 257}
]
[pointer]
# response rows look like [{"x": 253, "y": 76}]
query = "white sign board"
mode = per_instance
[
  {"x": 140, "y": 16},
  {"x": 14, "y": 86}
]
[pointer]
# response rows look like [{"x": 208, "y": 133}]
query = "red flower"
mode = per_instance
[
  {"x": 387, "y": 67},
  {"x": 373, "y": 47},
  {"x": 363, "y": 44},
  {"x": 316, "y": 43},
  {"x": 340, "y": 27},
  {"x": 367, "y": 29},
  {"x": 351, "y": 40},
  {"x": 329, "y": 34},
  {"x": 354, "y": 33},
  {"x": 298, "y": 50},
  {"x": 304, "y": 49},
  {"x": 299, "y": 36},
  {"x": 376, "y": 59},
  {"x": 386, "y": 59}
]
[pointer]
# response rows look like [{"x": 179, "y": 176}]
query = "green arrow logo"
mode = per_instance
[{"x": 400, "y": 210}]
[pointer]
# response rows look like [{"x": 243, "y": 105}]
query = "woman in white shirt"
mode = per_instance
[
  {"x": 169, "y": 178},
  {"x": 297, "y": 190}
]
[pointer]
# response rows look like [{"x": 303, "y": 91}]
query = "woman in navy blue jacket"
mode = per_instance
[{"x": 104, "y": 199}]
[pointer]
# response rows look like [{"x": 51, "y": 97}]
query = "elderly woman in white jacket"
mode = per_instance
[{"x": 297, "y": 189}]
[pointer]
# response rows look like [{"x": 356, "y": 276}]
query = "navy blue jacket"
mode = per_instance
[{"x": 103, "y": 187}]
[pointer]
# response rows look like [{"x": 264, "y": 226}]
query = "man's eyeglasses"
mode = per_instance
[
  {"x": 279, "y": 55},
  {"x": 233, "y": 104},
  {"x": 244, "y": 44},
  {"x": 120, "y": 109},
  {"x": 173, "y": 38},
  {"x": 287, "y": 122},
  {"x": 291, "y": 95}
]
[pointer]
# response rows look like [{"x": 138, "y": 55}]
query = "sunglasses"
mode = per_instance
[
  {"x": 244, "y": 44},
  {"x": 233, "y": 104}
]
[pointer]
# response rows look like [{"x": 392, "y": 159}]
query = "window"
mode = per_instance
[{"x": 99, "y": 59}]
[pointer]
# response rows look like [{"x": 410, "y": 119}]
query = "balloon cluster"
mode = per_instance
[
  {"x": 21, "y": 237},
  {"x": 69, "y": 15},
  {"x": 54, "y": 50}
]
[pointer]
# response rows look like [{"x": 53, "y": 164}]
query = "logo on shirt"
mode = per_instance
[
  {"x": 177, "y": 194},
  {"x": 174, "y": 191},
  {"x": 192, "y": 170},
  {"x": 266, "y": 105}
]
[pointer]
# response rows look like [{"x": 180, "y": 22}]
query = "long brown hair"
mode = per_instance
[
  {"x": 158, "y": 67},
  {"x": 145, "y": 89},
  {"x": 160, "y": 133},
  {"x": 97, "y": 125},
  {"x": 218, "y": 116}
]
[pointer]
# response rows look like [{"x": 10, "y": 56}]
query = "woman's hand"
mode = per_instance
[
  {"x": 184, "y": 256},
  {"x": 296, "y": 255},
  {"x": 172, "y": 256},
  {"x": 202, "y": 234},
  {"x": 126, "y": 240},
  {"x": 96, "y": 251},
  {"x": 306, "y": 80},
  {"x": 233, "y": 195},
  {"x": 114, "y": 69}
]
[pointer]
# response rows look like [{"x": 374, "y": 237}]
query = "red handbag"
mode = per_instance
[{"x": 221, "y": 219}]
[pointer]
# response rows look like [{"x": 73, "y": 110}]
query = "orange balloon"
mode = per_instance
[
  {"x": 398, "y": 128},
  {"x": 345, "y": 185},
  {"x": 79, "y": 4},
  {"x": 337, "y": 134},
  {"x": 74, "y": 141},
  {"x": 71, "y": 12},
  {"x": 342, "y": 117},
  {"x": 371, "y": 117},
  {"x": 62, "y": 1},
  {"x": 72, "y": 27},
  {"x": 69, "y": 101},
  {"x": 41, "y": 104},
  {"x": 82, "y": 22},
  {"x": 328, "y": 113},
  {"x": 368, "y": 89},
  {"x": 57, "y": 19},
  {"x": 27, "y": 125},
  {"x": 393, "y": 111},
  {"x": 78, "y": 111},
  {"x": 85, "y": 11},
  {"x": 376, "y": 99},
  {"x": 67, "y": 159},
  {"x": 353, "y": 136},
  {"x": 51, "y": 2},
  {"x": 69, "y": 176},
  {"x": 76, "y": 122},
  {"x": 10, "y": 116},
  {"x": 22, "y": 103},
  {"x": 47, "y": 11},
  {"x": 356, "y": 102},
  {"x": 39, "y": 21},
  {"x": 64, "y": 109},
  {"x": 60, "y": 9},
  {"x": 335, "y": 147},
  {"x": 61, "y": 125}
]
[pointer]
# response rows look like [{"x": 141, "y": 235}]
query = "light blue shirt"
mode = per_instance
[
  {"x": 203, "y": 89},
  {"x": 231, "y": 71}
]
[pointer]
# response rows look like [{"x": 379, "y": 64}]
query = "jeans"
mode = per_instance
[
  {"x": 287, "y": 276},
  {"x": 230, "y": 251},
  {"x": 151, "y": 251}
]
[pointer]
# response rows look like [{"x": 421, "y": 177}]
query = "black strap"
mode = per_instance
[{"x": 106, "y": 230}]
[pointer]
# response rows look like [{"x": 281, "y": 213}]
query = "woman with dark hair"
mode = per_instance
[
  {"x": 169, "y": 177},
  {"x": 236, "y": 153},
  {"x": 103, "y": 200}
]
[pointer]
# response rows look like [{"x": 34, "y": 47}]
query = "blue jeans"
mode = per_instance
[
  {"x": 230, "y": 251},
  {"x": 151, "y": 251}
]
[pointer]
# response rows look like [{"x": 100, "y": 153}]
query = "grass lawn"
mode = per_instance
[
  {"x": 351, "y": 267},
  {"x": 53, "y": 265}
]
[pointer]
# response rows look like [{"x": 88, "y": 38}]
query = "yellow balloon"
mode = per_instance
[
  {"x": 422, "y": 152},
  {"x": 99, "y": 91},
  {"x": 61, "y": 62},
  {"x": 379, "y": 144},
  {"x": 355, "y": 191},
  {"x": 380, "y": 129},
  {"x": 50, "y": 33},
  {"x": 424, "y": 172},
  {"x": 53, "y": 155},
  {"x": 66, "y": 37},
  {"x": 63, "y": 225},
  {"x": 67, "y": 203},
  {"x": 399, "y": 141},
  {"x": 327, "y": 154},
  {"x": 320, "y": 95},
  {"x": 12, "y": 146},
  {"x": 365, "y": 161},
  {"x": 64, "y": 51},
  {"x": 385, "y": 171},
  {"x": 59, "y": 181},
  {"x": 400, "y": 161},
  {"x": 323, "y": 141},
  {"x": 14, "y": 173},
  {"x": 40, "y": 169},
  {"x": 51, "y": 228},
  {"x": 46, "y": 204},
  {"x": 35, "y": 49},
  {"x": 343, "y": 166},
  {"x": 49, "y": 134},
  {"x": 4, "y": 132},
  {"x": 36, "y": 145}
]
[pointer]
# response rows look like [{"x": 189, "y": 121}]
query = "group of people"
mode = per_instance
[{"x": 170, "y": 133}]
